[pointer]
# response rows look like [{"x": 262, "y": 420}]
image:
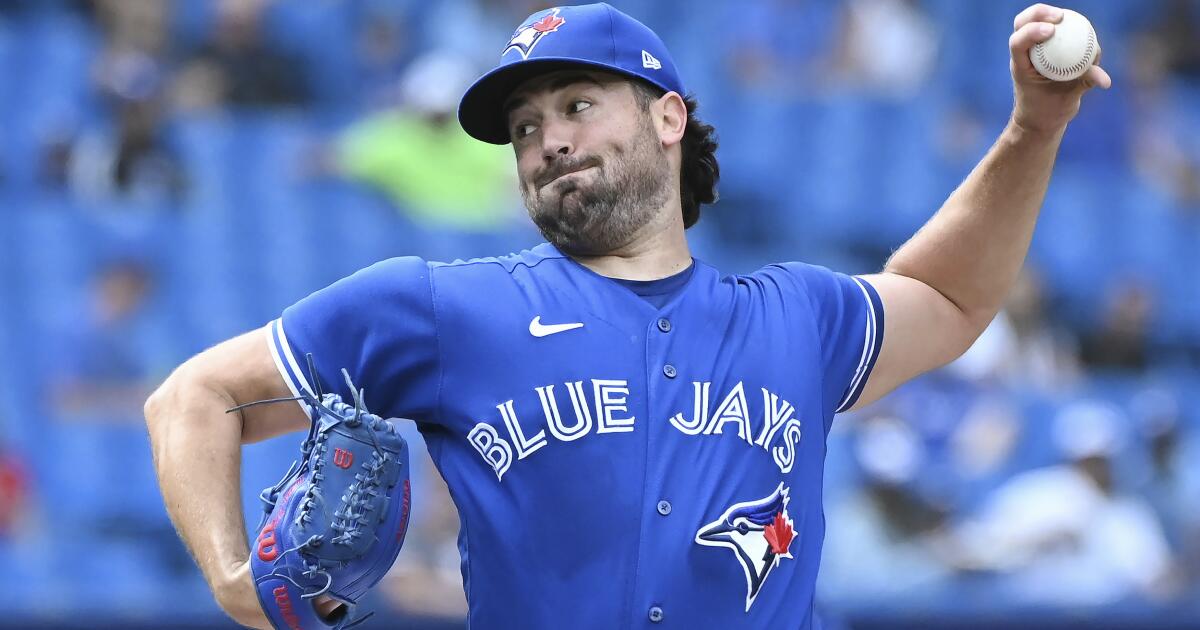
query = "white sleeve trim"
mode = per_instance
[
  {"x": 868, "y": 352},
  {"x": 286, "y": 363}
]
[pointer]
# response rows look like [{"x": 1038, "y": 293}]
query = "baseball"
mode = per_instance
[{"x": 1069, "y": 52}]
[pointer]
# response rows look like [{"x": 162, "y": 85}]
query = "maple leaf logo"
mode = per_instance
[
  {"x": 547, "y": 24},
  {"x": 779, "y": 535},
  {"x": 527, "y": 37}
]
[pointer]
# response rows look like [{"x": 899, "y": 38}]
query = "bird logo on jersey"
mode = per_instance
[
  {"x": 532, "y": 31},
  {"x": 758, "y": 532}
]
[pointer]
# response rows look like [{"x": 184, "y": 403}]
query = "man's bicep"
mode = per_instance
[
  {"x": 923, "y": 330},
  {"x": 244, "y": 369}
]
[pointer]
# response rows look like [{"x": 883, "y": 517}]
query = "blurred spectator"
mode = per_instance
[
  {"x": 422, "y": 159},
  {"x": 889, "y": 47},
  {"x": 14, "y": 489},
  {"x": 883, "y": 544},
  {"x": 104, "y": 375},
  {"x": 240, "y": 66},
  {"x": 104, "y": 367},
  {"x": 426, "y": 579},
  {"x": 383, "y": 49},
  {"x": 1022, "y": 347},
  {"x": 1121, "y": 341},
  {"x": 1064, "y": 535},
  {"x": 1178, "y": 28},
  {"x": 1173, "y": 483},
  {"x": 1164, "y": 60},
  {"x": 132, "y": 159},
  {"x": 134, "y": 24},
  {"x": 126, "y": 154},
  {"x": 984, "y": 443}
]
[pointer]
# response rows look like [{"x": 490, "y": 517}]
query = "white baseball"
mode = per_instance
[{"x": 1069, "y": 52}]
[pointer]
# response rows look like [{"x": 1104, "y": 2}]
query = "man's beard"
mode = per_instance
[{"x": 590, "y": 218}]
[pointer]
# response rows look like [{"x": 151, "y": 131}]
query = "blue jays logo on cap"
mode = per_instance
[
  {"x": 533, "y": 30},
  {"x": 758, "y": 532}
]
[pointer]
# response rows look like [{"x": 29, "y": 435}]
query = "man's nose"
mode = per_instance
[{"x": 556, "y": 141}]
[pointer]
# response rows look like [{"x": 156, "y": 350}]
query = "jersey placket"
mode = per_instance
[{"x": 662, "y": 376}]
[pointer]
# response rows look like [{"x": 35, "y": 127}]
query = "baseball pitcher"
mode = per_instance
[{"x": 631, "y": 437}]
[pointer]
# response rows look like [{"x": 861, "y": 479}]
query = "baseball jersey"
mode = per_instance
[{"x": 615, "y": 464}]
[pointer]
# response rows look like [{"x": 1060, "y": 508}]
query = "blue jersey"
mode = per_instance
[{"x": 614, "y": 464}]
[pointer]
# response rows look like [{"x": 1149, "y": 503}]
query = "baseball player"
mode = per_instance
[{"x": 632, "y": 438}]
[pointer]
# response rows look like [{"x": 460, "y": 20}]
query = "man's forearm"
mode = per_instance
[
  {"x": 972, "y": 250},
  {"x": 197, "y": 455}
]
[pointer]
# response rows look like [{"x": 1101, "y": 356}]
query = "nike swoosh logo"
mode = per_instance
[{"x": 538, "y": 329}]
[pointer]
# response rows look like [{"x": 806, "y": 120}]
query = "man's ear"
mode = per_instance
[{"x": 670, "y": 118}]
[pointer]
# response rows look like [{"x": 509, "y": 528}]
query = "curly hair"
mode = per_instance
[{"x": 698, "y": 171}]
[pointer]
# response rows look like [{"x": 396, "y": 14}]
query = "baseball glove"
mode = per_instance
[{"x": 335, "y": 522}]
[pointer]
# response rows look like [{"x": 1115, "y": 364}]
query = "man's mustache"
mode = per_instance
[{"x": 563, "y": 166}]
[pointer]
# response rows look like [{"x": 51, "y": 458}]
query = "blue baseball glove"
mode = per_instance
[{"x": 335, "y": 522}]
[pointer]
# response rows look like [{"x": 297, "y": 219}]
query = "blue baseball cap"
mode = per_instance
[{"x": 589, "y": 36}]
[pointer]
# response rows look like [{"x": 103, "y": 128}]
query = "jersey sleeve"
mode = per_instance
[
  {"x": 848, "y": 315},
  {"x": 379, "y": 325}
]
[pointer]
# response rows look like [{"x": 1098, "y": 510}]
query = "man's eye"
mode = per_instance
[
  {"x": 524, "y": 130},
  {"x": 579, "y": 106}
]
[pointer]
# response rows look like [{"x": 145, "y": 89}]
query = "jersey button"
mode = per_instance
[
  {"x": 656, "y": 614},
  {"x": 664, "y": 507},
  {"x": 664, "y": 324},
  {"x": 669, "y": 370}
]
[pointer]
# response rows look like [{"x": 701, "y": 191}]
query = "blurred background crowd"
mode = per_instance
[{"x": 173, "y": 173}]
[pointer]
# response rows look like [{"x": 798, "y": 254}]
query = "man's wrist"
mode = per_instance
[
  {"x": 1021, "y": 131},
  {"x": 235, "y": 593}
]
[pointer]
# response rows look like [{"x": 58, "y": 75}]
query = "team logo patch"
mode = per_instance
[
  {"x": 758, "y": 532},
  {"x": 530, "y": 33}
]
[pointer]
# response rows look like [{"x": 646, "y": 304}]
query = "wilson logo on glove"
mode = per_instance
[
  {"x": 284, "y": 601},
  {"x": 332, "y": 530},
  {"x": 404, "y": 508},
  {"x": 267, "y": 551}
]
